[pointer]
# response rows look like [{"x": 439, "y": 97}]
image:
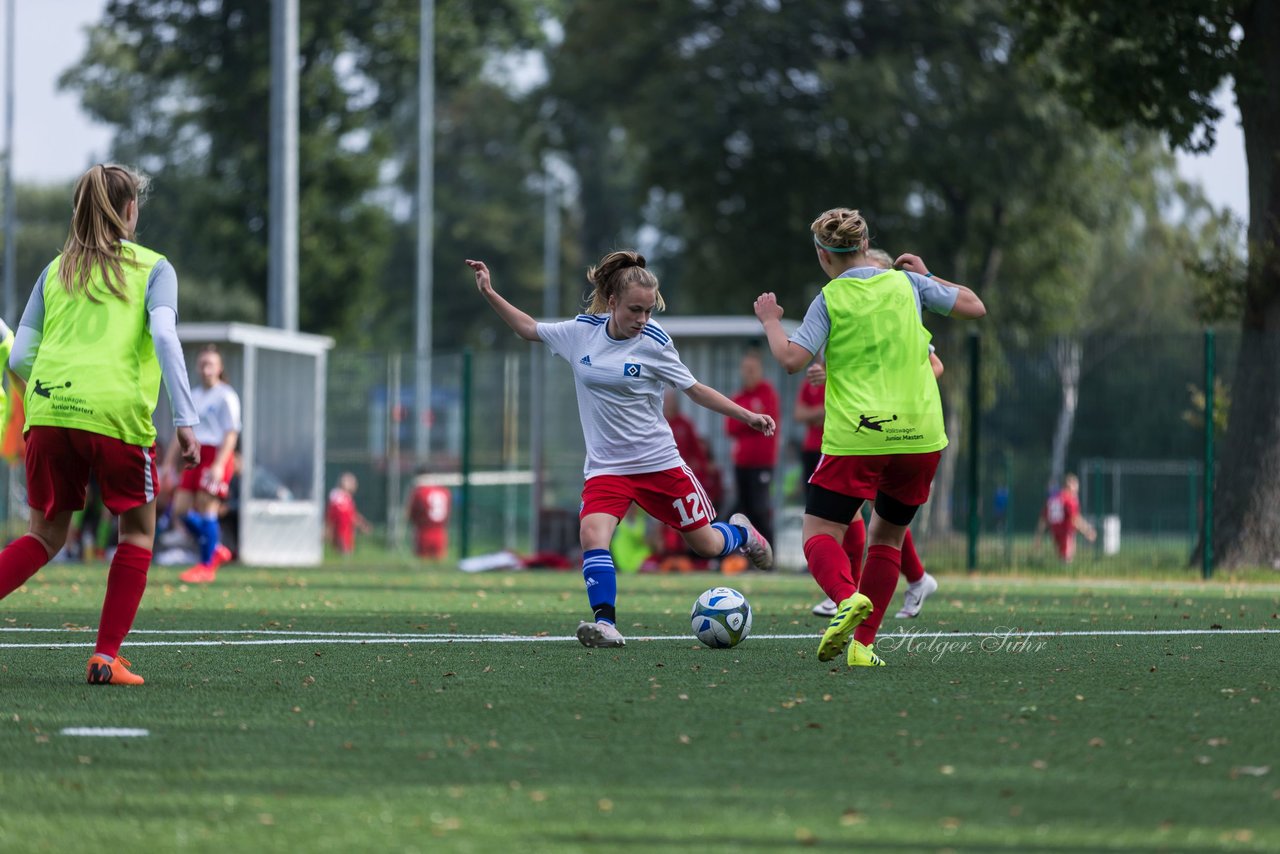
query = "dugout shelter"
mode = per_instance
[{"x": 279, "y": 494}]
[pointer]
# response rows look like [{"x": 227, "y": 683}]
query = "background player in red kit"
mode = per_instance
[
  {"x": 1061, "y": 515},
  {"x": 428, "y": 512},
  {"x": 342, "y": 518}
]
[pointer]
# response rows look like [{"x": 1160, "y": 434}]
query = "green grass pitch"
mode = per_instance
[{"x": 321, "y": 710}]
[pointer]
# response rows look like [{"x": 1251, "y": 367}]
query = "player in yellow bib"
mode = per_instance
[
  {"x": 97, "y": 334},
  {"x": 883, "y": 431}
]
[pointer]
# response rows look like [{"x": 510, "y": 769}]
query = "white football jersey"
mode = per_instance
[
  {"x": 219, "y": 410},
  {"x": 620, "y": 383}
]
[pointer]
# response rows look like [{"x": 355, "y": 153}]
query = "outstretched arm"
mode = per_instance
[
  {"x": 967, "y": 307},
  {"x": 709, "y": 398},
  {"x": 791, "y": 356},
  {"x": 522, "y": 324}
]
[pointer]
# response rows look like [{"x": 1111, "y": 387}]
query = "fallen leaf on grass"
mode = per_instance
[{"x": 1250, "y": 771}]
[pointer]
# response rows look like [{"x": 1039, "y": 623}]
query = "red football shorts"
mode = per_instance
[
  {"x": 431, "y": 542},
  {"x": 200, "y": 478},
  {"x": 905, "y": 477},
  {"x": 1064, "y": 537},
  {"x": 59, "y": 460},
  {"x": 673, "y": 497}
]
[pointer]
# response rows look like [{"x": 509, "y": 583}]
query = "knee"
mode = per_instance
[{"x": 594, "y": 534}]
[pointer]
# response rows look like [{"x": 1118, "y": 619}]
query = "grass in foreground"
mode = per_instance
[{"x": 1144, "y": 742}]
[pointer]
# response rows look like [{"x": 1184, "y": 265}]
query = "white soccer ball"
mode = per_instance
[{"x": 721, "y": 618}]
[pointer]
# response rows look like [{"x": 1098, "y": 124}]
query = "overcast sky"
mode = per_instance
[{"x": 54, "y": 140}]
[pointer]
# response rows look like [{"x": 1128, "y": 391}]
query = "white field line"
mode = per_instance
[
  {"x": 104, "y": 732},
  {"x": 405, "y": 639}
]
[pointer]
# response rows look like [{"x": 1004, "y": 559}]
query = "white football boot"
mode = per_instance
[
  {"x": 599, "y": 635},
  {"x": 913, "y": 599}
]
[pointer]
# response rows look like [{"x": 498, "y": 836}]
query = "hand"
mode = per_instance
[
  {"x": 767, "y": 308},
  {"x": 816, "y": 373},
  {"x": 188, "y": 446},
  {"x": 482, "y": 276},
  {"x": 760, "y": 421},
  {"x": 911, "y": 263}
]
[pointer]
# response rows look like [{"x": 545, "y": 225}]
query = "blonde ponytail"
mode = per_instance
[
  {"x": 615, "y": 272},
  {"x": 98, "y": 226}
]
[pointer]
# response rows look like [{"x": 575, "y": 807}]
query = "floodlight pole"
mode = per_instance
[
  {"x": 426, "y": 228},
  {"x": 550, "y": 309},
  {"x": 282, "y": 265}
]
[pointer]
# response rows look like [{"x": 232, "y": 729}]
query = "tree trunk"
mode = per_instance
[
  {"x": 1066, "y": 360},
  {"x": 1247, "y": 496}
]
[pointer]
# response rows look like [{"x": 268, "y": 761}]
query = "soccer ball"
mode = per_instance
[{"x": 721, "y": 618}]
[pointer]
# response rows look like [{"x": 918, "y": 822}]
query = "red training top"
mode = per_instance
[
  {"x": 753, "y": 449},
  {"x": 812, "y": 395}
]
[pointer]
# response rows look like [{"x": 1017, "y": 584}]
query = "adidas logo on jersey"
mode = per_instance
[{"x": 585, "y": 360}]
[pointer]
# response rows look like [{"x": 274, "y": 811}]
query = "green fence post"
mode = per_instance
[
  {"x": 465, "y": 509},
  {"x": 975, "y": 493},
  {"x": 1206, "y": 522}
]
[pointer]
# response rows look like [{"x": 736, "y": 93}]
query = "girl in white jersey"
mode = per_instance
[
  {"x": 622, "y": 363},
  {"x": 199, "y": 496}
]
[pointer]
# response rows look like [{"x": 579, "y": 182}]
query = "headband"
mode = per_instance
[{"x": 821, "y": 245}]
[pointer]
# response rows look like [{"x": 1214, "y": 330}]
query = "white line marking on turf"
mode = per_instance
[
  {"x": 371, "y": 638},
  {"x": 285, "y": 632},
  {"x": 104, "y": 732}
]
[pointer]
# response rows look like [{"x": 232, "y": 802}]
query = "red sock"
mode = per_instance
[
  {"x": 126, "y": 581},
  {"x": 20, "y": 560},
  {"x": 879, "y": 580},
  {"x": 829, "y": 566},
  {"x": 855, "y": 543},
  {"x": 912, "y": 568}
]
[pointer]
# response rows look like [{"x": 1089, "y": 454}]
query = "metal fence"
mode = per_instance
[
  {"x": 502, "y": 433},
  {"x": 497, "y": 419}
]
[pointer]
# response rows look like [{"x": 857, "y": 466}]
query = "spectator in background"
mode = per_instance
[
  {"x": 754, "y": 453},
  {"x": 1000, "y": 508},
  {"x": 428, "y": 512},
  {"x": 342, "y": 518},
  {"x": 1062, "y": 517}
]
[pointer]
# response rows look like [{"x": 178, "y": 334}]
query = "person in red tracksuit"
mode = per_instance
[{"x": 755, "y": 454}]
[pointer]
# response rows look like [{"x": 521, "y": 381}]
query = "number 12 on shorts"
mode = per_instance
[{"x": 690, "y": 509}]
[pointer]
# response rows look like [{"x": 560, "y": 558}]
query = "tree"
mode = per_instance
[
  {"x": 1157, "y": 63},
  {"x": 186, "y": 85},
  {"x": 920, "y": 114}
]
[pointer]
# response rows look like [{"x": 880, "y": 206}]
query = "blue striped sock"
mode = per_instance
[
  {"x": 602, "y": 583},
  {"x": 209, "y": 542},
  {"x": 734, "y": 536},
  {"x": 194, "y": 523}
]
